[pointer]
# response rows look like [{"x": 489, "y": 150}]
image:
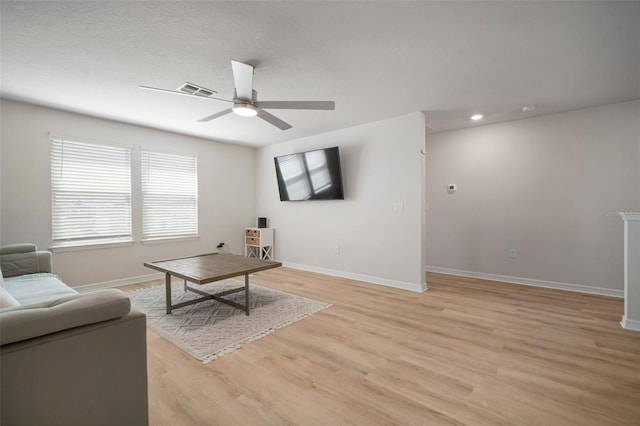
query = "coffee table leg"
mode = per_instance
[
  {"x": 167, "y": 282},
  {"x": 246, "y": 293}
]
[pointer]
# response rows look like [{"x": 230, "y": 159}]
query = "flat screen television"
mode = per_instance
[{"x": 311, "y": 175}]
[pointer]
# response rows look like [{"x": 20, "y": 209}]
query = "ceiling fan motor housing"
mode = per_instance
[{"x": 245, "y": 107}]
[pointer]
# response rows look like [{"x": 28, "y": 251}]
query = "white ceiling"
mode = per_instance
[{"x": 376, "y": 60}]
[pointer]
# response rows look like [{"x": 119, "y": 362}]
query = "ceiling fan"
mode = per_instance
[{"x": 245, "y": 99}]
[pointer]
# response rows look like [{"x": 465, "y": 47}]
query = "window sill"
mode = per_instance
[
  {"x": 169, "y": 239},
  {"x": 89, "y": 245}
]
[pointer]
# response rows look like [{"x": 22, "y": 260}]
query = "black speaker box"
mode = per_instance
[{"x": 262, "y": 222}]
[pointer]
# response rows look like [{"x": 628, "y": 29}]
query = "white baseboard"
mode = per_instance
[
  {"x": 626, "y": 323},
  {"x": 527, "y": 281},
  {"x": 118, "y": 283},
  {"x": 359, "y": 277},
  {"x": 630, "y": 324}
]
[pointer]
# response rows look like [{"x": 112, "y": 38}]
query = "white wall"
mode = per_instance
[
  {"x": 547, "y": 186},
  {"x": 226, "y": 190},
  {"x": 381, "y": 166}
]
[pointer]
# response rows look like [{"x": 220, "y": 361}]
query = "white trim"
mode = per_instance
[
  {"x": 61, "y": 247},
  {"x": 630, "y": 324},
  {"x": 117, "y": 283},
  {"x": 531, "y": 282},
  {"x": 630, "y": 216},
  {"x": 88, "y": 140},
  {"x": 359, "y": 277},
  {"x": 161, "y": 240},
  {"x": 168, "y": 151}
]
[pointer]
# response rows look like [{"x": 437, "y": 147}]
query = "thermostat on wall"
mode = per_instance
[{"x": 452, "y": 187}]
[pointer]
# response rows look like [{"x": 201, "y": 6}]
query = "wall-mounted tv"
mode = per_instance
[{"x": 311, "y": 175}]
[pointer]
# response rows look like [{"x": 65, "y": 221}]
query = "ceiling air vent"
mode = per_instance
[
  {"x": 203, "y": 92},
  {"x": 194, "y": 89}
]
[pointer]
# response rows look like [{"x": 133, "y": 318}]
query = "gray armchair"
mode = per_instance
[{"x": 21, "y": 259}]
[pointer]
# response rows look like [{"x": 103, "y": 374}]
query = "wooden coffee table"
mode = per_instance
[{"x": 207, "y": 268}]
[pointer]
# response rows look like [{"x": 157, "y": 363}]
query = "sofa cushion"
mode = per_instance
[
  {"x": 6, "y": 299},
  {"x": 26, "y": 322},
  {"x": 35, "y": 288}
]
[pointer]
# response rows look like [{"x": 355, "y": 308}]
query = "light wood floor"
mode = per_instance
[{"x": 465, "y": 352}]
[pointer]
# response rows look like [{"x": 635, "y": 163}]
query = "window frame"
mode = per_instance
[
  {"x": 119, "y": 159},
  {"x": 145, "y": 157}
]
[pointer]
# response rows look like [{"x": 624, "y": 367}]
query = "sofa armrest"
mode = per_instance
[
  {"x": 29, "y": 321},
  {"x": 93, "y": 375},
  {"x": 21, "y": 259}
]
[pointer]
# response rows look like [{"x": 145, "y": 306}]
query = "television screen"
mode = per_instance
[{"x": 311, "y": 175}]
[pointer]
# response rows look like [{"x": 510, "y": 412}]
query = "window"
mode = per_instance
[
  {"x": 90, "y": 191},
  {"x": 169, "y": 195}
]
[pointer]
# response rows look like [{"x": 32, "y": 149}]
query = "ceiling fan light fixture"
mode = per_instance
[
  {"x": 245, "y": 109},
  {"x": 245, "y": 98}
]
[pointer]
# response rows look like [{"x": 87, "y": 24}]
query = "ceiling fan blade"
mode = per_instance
[
  {"x": 216, "y": 115},
  {"x": 323, "y": 105},
  {"x": 175, "y": 92},
  {"x": 273, "y": 120},
  {"x": 243, "y": 78}
]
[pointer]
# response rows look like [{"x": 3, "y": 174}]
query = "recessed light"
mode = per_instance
[
  {"x": 477, "y": 117},
  {"x": 527, "y": 108}
]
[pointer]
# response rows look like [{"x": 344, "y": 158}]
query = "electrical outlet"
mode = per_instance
[{"x": 512, "y": 253}]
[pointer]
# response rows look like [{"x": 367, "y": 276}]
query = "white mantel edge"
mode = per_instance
[
  {"x": 629, "y": 324},
  {"x": 631, "y": 216},
  {"x": 631, "y": 276}
]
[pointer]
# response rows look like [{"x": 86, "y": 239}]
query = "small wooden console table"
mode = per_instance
[
  {"x": 258, "y": 243},
  {"x": 206, "y": 268}
]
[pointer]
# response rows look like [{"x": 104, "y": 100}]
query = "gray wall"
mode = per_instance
[
  {"x": 378, "y": 242},
  {"x": 547, "y": 186},
  {"x": 226, "y": 190}
]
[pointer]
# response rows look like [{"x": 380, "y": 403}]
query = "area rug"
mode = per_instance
[{"x": 210, "y": 329}]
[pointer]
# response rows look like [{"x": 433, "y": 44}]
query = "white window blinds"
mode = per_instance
[
  {"x": 169, "y": 195},
  {"x": 90, "y": 191}
]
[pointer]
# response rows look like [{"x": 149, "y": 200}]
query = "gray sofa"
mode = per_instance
[{"x": 67, "y": 358}]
